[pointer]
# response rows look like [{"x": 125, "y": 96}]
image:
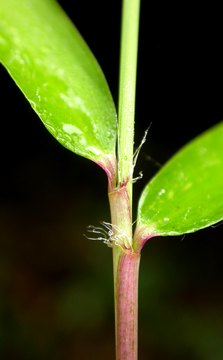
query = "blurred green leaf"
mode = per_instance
[
  {"x": 187, "y": 193},
  {"x": 52, "y": 65}
]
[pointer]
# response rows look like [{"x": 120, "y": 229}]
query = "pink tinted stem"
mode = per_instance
[{"x": 126, "y": 269}]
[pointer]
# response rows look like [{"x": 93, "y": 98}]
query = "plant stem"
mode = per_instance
[
  {"x": 127, "y": 86},
  {"x": 126, "y": 265},
  {"x": 126, "y": 303},
  {"x": 125, "y": 258}
]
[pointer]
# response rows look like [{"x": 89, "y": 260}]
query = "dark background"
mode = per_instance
[{"x": 56, "y": 297}]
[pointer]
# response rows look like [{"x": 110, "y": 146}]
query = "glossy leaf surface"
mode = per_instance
[
  {"x": 52, "y": 65},
  {"x": 187, "y": 193}
]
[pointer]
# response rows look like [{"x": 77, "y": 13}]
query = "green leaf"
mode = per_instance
[
  {"x": 187, "y": 193},
  {"x": 52, "y": 65}
]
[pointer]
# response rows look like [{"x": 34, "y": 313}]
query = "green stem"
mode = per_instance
[
  {"x": 127, "y": 86},
  {"x": 125, "y": 258}
]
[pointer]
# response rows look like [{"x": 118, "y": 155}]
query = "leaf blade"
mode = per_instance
[
  {"x": 50, "y": 62},
  {"x": 187, "y": 193}
]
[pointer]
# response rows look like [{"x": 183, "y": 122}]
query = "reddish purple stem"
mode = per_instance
[{"x": 127, "y": 306}]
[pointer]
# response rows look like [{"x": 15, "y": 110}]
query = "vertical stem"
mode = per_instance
[
  {"x": 126, "y": 265},
  {"x": 127, "y": 85},
  {"x": 125, "y": 258},
  {"x": 126, "y": 301}
]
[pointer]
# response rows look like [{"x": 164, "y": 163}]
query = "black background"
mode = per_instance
[{"x": 56, "y": 299}]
